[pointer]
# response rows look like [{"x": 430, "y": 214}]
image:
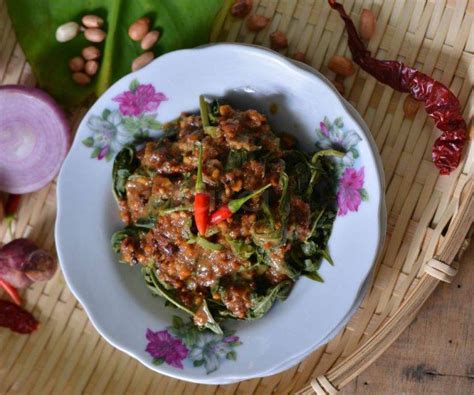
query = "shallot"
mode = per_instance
[
  {"x": 22, "y": 262},
  {"x": 34, "y": 139}
]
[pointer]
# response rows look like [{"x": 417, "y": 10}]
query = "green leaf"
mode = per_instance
[
  {"x": 236, "y": 159},
  {"x": 261, "y": 304},
  {"x": 206, "y": 244},
  {"x": 106, "y": 113},
  {"x": 231, "y": 355},
  {"x": 210, "y": 321},
  {"x": 119, "y": 236},
  {"x": 158, "y": 361},
  {"x": 88, "y": 142},
  {"x": 134, "y": 85},
  {"x": 240, "y": 248},
  {"x": 339, "y": 122},
  {"x": 182, "y": 25},
  {"x": 126, "y": 162},
  {"x": 363, "y": 194}
]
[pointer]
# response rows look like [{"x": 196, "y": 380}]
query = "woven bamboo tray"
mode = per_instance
[{"x": 428, "y": 215}]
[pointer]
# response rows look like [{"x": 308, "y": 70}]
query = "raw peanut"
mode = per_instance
[
  {"x": 91, "y": 67},
  {"x": 67, "y": 31},
  {"x": 278, "y": 41},
  {"x": 339, "y": 86},
  {"x": 92, "y": 21},
  {"x": 139, "y": 28},
  {"x": 341, "y": 65},
  {"x": 256, "y": 22},
  {"x": 94, "y": 35},
  {"x": 299, "y": 56},
  {"x": 150, "y": 39},
  {"x": 366, "y": 24},
  {"x": 81, "y": 78},
  {"x": 241, "y": 8},
  {"x": 91, "y": 53},
  {"x": 142, "y": 60},
  {"x": 410, "y": 106},
  {"x": 76, "y": 64}
]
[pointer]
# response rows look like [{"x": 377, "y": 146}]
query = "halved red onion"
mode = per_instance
[{"x": 34, "y": 139}]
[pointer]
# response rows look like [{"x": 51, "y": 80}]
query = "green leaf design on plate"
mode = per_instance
[{"x": 182, "y": 24}]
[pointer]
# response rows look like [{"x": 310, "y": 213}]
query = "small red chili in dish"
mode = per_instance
[
  {"x": 440, "y": 103},
  {"x": 16, "y": 318},
  {"x": 201, "y": 199},
  {"x": 227, "y": 210}
]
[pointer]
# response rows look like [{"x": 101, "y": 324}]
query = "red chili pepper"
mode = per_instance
[
  {"x": 11, "y": 290},
  {"x": 201, "y": 199},
  {"x": 226, "y": 211},
  {"x": 440, "y": 103},
  {"x": 17, "y": 319}
]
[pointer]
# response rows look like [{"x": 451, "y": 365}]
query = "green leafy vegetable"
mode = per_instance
[
  {"x": 241, "y": 249},
  {"x": 236, "y": 159},
  {"x": 182, "y": 25},
  {"x": 204, "y": 243},
  {"x": 126, "y": 162},
  {"x": 261, "y": 304},
  {"x": 130, "y": 231}
]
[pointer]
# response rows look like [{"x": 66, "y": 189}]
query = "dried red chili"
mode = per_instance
[
  {"x": 16, "y": 318},
  {"x": 11, "y": 206},
  {"x": 11, "y": 291},
  {"x": 201, "y": 199},
  {"x": 440, "y": 103}
]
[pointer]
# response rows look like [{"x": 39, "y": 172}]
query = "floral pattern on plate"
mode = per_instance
[
  {"x": 133, "y": 121},
  {"x": 183, "y": 341},
  {"x": 351, "y": 192}
]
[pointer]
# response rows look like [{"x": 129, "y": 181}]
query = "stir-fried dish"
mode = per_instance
[{"x": 222, "y": 214}]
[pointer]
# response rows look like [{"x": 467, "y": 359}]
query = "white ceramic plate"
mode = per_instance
[{"x": 114, "y": 295}]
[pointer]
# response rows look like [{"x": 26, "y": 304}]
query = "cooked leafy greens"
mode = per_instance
[{"x": 253, "y": 257}]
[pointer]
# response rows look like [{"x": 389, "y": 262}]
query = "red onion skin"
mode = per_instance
[{"x": 22, "y": 263}]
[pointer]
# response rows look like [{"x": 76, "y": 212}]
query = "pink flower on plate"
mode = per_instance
[
  {"x": 142, "y": 98},
  {"x": 324, "y": 129},
  {"x": 350, "y": 188},
  {"x": 164, "y": 347}
]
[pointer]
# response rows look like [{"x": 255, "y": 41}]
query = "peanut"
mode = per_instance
[
  {"x": 67, "y": 31},
  {"x": 91, "y": 67},
  {"x": 150, "y": 39},
  {"x": 299, "y": 56},
  {"x": 94, "y": 35},
  {"x": 366, "y": 24},
  {"x": 81, "y": 78},
  {"x": 278, "y": 41},
  {"x": 341, "y": 65},
  {"x": 241, "y": 8},
  {"x": 91, "y": 53},
  {"x": 142, "y": 60},
  {"x": 92, "y": 21},
  {"x": 339, "y": 86},
  {"x": 139, "y": 28},
  {"x": 76, "y": 64},
  {"x": 410, "y": 106},
  {"x": 256, "y": 22}
]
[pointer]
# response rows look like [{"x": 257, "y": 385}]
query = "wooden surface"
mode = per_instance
[
  {"x": 435, "y": 355},
  {"x": 427, "y": 217}
]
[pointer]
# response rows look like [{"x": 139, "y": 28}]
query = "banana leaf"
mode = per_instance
[{"x": 182, "y": 24}]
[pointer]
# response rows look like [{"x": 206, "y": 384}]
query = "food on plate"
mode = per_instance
[{"x": 222, "y": 218}]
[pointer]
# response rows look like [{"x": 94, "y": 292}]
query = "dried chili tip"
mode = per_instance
[
  {"x": 440, "y": 103},
  {"x": 11, "y": 206},
  {"x": 16, "y": 318},
  {"x": 241, "y": 8}
]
